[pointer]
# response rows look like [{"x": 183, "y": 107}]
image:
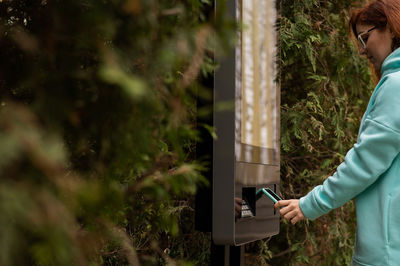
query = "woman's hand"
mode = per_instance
[
  {"x": 238, "y": 207},
  {"x": 290, "y": 210}
]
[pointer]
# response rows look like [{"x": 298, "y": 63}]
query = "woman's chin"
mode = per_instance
[{"x": 376, "y": 65}]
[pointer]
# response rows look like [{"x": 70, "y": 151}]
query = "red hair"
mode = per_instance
[{"x": 379, "y": 13}]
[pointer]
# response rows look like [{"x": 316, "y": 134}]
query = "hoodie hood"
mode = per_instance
[{"x": 391, "y": 63}]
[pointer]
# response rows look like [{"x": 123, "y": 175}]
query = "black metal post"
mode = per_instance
[{"x": 225, "y": 255}]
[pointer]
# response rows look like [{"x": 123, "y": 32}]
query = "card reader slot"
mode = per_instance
[{"x": 248, "y": 202}]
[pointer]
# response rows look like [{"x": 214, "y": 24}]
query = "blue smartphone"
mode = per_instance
[{"x": 271, "y": 194}]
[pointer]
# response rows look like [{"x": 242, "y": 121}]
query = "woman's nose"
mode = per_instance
[{"x": 362, "y": 51}]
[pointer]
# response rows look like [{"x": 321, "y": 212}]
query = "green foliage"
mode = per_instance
[
  {"x": 97, "y": 133},
  {"x": 325, "y": 89}
]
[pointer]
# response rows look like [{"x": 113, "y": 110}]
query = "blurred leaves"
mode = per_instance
[
  {"x": 133, "y": 86},
  {"x": 97, "y": 129}
]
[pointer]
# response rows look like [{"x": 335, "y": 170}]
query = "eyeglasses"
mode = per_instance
[{"x": 363, "y": 41}]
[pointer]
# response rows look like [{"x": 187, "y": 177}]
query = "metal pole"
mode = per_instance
[{"x": 225, "y": 255}]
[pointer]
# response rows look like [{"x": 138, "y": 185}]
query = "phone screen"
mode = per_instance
[{"x": 273, "y": 194}]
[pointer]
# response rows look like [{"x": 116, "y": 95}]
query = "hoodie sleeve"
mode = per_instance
[{"x": 378, "y": 145}]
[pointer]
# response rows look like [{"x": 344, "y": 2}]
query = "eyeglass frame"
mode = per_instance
[{"x": 360, "y": 39}]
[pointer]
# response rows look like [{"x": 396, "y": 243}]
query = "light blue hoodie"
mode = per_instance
[{"x": 370, "y": 173}]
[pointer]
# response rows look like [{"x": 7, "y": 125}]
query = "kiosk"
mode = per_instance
[
  {"x": 246, "y": 152},
  {"x": 245, "y": 155}
]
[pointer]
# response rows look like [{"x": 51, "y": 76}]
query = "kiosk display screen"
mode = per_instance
[
  {"x": 257, "y": 96},
  {"x": 258, "y": 87}
]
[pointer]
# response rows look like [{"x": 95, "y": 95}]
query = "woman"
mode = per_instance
[{"x": 370, "y": 172}]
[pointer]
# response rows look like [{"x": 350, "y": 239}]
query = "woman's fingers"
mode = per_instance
[
  {"x": 297, "y": 219},
  {"x": 285, "y": 207},
  {"x": 281, "y": 203},
  {"x": 238, "y": 207},
  {"x": 294, "y": 216},
  {"x": 288, "y": 216},
  {"x": 290, "y": 210},
  {"x": 299, "y": 216}
]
